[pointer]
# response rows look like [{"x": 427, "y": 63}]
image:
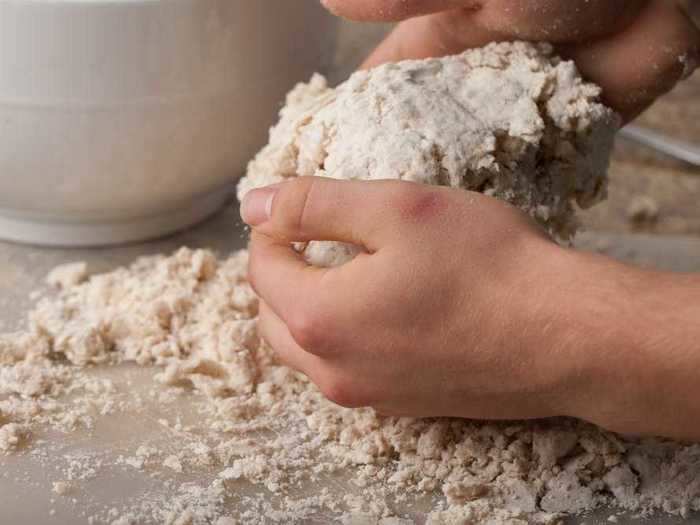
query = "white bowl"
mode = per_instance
[{"x": 122, "y": 120}]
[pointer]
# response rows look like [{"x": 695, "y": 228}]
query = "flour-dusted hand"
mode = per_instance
[
  {"x": 635, "y": 50},
  {"x": 459, "y": 305}
]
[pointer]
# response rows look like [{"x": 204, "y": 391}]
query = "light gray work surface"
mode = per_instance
[{"x": 25, "y": 480}]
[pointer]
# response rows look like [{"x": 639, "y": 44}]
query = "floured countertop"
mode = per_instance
[{"x": 68, "y": 478}]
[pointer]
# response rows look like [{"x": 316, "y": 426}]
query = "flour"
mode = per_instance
[
  {"x": 67, "y": 275},
  {"x": 193, "y": 317},
  {"x": 690, "y": 63},
  {"x": 10, "y": 436},
  {"x": 510, "y": 120},
  {"x": 61, "y": 487},
  {"x": 642, "y": 209}
]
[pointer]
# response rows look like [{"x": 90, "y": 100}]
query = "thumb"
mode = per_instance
[{"x": 365, "y": 213}]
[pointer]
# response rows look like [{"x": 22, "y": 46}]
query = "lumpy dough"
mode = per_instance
[
  {"x": 195, "y": 317},
  {"x": 510, "y": 120}
]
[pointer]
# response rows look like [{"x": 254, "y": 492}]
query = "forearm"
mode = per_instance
[{"x": 638, "y": 333}]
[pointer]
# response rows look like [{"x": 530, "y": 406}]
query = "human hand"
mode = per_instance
[
  {"x": 636, "y": 50},
  {"x": 453, "y": 309}
]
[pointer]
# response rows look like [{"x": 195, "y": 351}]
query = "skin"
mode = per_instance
[
  {"x": 461, "y": 306},
  {"x": 628, "y": 47}
]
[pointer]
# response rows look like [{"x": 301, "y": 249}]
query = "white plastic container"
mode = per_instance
[{"x": 123, "y": 120}]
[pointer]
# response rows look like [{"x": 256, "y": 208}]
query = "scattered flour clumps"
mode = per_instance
[
  {"x": 510, "y": 120},
  {"x": 67, "y": 275},
  {"x": 10, "y": 436},
  {"x": 193, "y": 316}
]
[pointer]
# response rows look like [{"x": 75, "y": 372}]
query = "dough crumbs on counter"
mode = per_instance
[
  {"x": 510, "y": 120},
  {"x": 173, "y": 463},
  {"x": 61, "y": 487},
  {"x": 10, "y": 436},
  {"x": 68, "y": 275},
  {"x": 642, "y": 209},
  {"x": 192, "y": 317}
]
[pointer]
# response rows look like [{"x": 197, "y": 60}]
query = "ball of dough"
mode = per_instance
[{"x": 510, "y": 120}]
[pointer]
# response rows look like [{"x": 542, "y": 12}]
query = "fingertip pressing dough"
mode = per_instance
[{"x": 510, "y": 120}]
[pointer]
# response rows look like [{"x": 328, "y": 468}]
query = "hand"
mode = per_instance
[
  {"x": 452, "y": 311},
  {"x": 461, "y": 307},
  {"x": 636, "y": 50}
]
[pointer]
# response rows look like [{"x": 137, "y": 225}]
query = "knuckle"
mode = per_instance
[
  {"x": 418, "y": 204},
  {"x": 309, "y": 329}
]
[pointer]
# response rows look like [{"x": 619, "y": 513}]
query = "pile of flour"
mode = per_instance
[
  {"x": 510, "y": 120},
  {"x": 193, "y": 317}
]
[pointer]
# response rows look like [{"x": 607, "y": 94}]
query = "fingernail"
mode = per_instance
[{"x": 256, "y": 207}]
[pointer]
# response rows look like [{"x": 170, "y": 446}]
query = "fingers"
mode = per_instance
[
  {"x": 430, "y": 36},
  {"x": 643, "y": 62},
  {"x": 550, "y": 20},
  {"x": 320, "y": 305},
  {"x": 312, "y": 302},
  {"x": 392, "y": 10},
  {"x": 332, "y": 383},
  {"x": 280, "y": 276},
  {"x": 277, "y": 335},
  {"x": 364, "y": 213},
  {"x": 635, "y": 50},
  {"x": 308, "y": 208},
  {"x": 452, "y": 32},
  {"x": 557, "y": 20}
]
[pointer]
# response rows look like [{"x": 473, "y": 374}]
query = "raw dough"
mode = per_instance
[
  {"x": 67, "y": 275},
  {"x": 195, "y": 317},
  {"x": 510, "y": 120}
]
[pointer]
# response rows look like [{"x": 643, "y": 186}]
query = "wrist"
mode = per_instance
[
  {"x": 584, "y": 339},
  {"x": 556, "y": 320},
  {"x": 594, "y": 333},
  {"x": 630, "y": 341}
]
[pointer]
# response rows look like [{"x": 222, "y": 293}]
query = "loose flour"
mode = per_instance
[{"x": 192, "y": 316}]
